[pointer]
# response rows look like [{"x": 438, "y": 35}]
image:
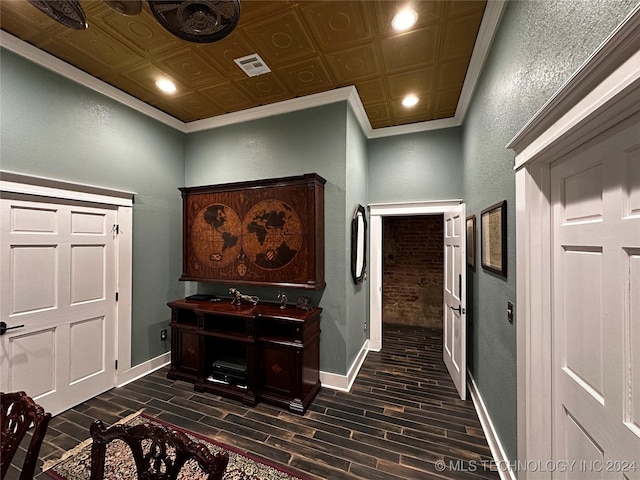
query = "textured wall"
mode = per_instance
[
  {"x": 357, "y": 296},
  {"x": 55, "y": 128},
  {"x": 417, "y": 166},
  {"x": 413, "y": 270},
  {"x": 538, "y": 46},
  {"x": 310, "y": 141}
]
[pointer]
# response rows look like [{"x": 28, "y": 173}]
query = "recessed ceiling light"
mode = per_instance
[
  {"x": 166, "y": 86},
  {"x": 404, "y": 20},
  {"x": 410, "y": 100}
]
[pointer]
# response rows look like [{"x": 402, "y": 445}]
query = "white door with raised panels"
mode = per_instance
[
  {"x": 595, "y": 197},
  {"x": 454, "y": 335},
  {"x": 58, "y": 289}
]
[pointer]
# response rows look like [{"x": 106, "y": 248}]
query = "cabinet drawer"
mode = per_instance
[
  {"x": 234, "y": 326},
  {"x": 183, "y": 316},
  {"x": 279, "y": 330}
]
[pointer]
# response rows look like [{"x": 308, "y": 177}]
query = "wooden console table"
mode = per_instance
[{"x": 249, "y": 353}]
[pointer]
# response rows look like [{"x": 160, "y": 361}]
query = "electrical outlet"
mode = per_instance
[{"x": 163, "y": 335}]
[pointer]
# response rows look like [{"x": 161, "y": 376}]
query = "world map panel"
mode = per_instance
[{"x": 266, "y": 232}]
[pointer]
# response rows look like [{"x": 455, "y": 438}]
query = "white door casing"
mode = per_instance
[
  {"x": 595, "y": 198},
  {"x": 376, "y": 212},
  {"x": 454, "y": 333},
  {"x": 603, "y": 92},
  {"x": 61, "y": 264}
]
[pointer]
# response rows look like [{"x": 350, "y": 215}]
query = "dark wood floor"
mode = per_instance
[{"x": 400, "y": 419}]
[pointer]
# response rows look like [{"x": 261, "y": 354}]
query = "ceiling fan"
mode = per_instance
[{"x": 201, "y": 21}]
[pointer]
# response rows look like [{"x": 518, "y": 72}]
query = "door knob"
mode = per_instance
[{"x": 4, "y": 328}]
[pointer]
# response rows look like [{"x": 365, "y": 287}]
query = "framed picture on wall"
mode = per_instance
[
  {"x": 471, "y": 241},
  {"x": 493, "y": 238}
]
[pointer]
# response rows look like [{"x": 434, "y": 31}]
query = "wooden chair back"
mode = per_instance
[
  {"x": 18, "y": 412},
  {"x": 159, "y": 452}
]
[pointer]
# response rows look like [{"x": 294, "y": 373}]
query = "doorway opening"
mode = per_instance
[
  {"x": 413, "y": 271},
  {"x": 454, "y": 335},
  {"x": 378, "y": 213}
]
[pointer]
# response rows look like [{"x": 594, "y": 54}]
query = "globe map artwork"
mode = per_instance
[
  {"x": 270, "y": 235},
  {"x": 215, "y": 235}
]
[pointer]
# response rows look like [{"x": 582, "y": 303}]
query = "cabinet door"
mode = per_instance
[
  {"x": 280, "y": 370},
  {"x": 188, "y": 360},
  {"x": 235, "y": 232}
]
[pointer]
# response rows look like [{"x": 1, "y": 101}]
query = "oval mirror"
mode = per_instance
[{"x": 359, "y": 245}]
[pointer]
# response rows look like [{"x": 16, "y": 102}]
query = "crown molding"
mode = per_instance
[
  {"x": 486, "y": 33},
  {"x": 348, "y": 94},
  {"x": 48, "y": 61},
  {"x": 488, "y": 27},
  {"x": 414, "y": 127}
]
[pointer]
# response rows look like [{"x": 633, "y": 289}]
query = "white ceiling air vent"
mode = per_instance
[{"x": 252, "y": 65}]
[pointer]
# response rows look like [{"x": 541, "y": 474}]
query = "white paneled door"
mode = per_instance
[
  {"x": 595, "y": 195},
  {"x": 455, "y": 323},
  {"x": 58, "y": 287}
]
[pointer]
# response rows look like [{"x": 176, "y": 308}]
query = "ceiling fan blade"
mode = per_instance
[
  {"x": 67, "y": 12},
  {"x": 201, "y": 21}
]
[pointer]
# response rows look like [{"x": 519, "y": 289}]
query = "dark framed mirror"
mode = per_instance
[{"x": 359, "y": 245}]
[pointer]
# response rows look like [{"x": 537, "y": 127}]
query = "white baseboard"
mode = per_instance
[
  {"x": 344, "y": 382},
  {"x": 502, "y": 463},
  {"x": 327, "y": 379},
  {"x": 143, "y": 369}
]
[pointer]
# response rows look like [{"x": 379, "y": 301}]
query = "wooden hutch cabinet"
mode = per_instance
[
  {"x": 263, "y": 233},
  {"x": 249, "y": 352}
]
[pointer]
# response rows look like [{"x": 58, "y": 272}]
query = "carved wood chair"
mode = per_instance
[
  {"x": 159, "y": 452},
  {"x": 18, "y": 412}
]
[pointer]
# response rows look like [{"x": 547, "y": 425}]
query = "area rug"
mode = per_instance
[{"x": 76, "y": 463}]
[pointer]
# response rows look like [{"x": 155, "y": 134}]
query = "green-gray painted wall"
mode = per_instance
[
  {"x": 324, "y": 140},
  {"x": 417, "y": 166},
  {"x": 310, "y": 141},
  {"x": 538, "y": 46},
  {"x": 54, "y": 128},
  {"x": 357, "y": 296}
]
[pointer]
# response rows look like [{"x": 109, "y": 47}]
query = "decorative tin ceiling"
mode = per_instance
[{"x": 310, "y": 47}]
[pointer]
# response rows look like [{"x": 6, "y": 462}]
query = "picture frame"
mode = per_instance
[
  {"x": 493, "y": 238},
  {"x": 471, "y": 241}
]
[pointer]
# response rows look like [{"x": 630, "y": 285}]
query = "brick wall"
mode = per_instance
[{"x": 413, "y": 270}]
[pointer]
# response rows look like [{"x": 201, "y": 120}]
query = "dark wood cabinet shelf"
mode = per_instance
[{"x": 249, "y": 353}]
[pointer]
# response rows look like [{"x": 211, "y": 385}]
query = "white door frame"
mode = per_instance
[
  {"x": 602, "y": 93},
  {"x": 18, "y": 183},
  {"x": 376, "y": 212}
]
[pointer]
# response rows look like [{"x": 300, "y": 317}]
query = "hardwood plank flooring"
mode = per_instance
[{"x": 401, "y": 418}]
